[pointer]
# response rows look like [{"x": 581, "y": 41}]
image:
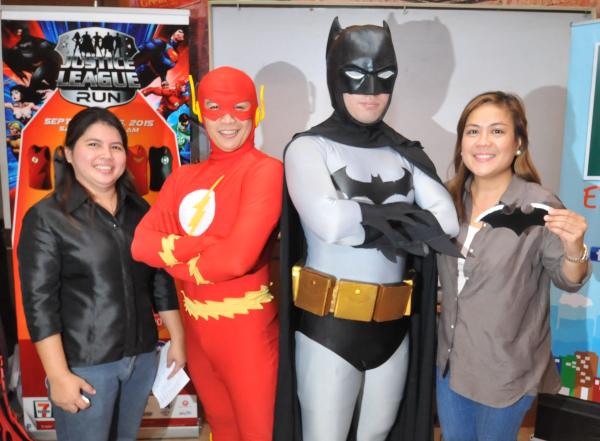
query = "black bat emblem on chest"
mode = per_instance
[
  {"x": 514, "y": 219},
  {"x": 377, "y": 190}
]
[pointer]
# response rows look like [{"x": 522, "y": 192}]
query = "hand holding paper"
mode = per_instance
[{"x": 167, "y": 386}]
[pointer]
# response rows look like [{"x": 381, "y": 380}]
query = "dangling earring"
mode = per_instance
[{"x": 519, "y": 152}]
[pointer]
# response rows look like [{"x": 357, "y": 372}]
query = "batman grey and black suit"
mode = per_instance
[{"x": 347, "y": 181}]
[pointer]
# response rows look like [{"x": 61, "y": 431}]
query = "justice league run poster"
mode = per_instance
[
  {"x": 53, "y": 69},
  {"x": 56, "y": 62}
]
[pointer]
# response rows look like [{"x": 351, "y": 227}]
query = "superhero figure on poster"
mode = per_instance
[
  {"x": 157, "y": 56},
  {"x": 21, "y": 103},
  {"x": 363, "y": 206},
  {"x": 13, "y": 138},
  {"x": 183, "y": 134},
  {"x": 29, "y": 56},
  {"x": 211, "y": 227},
  {"x": 172, "y": 98},
  {"x": 13, "y": 145}
]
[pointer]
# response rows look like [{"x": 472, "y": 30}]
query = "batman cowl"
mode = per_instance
[{"x": 360, "y": 60}]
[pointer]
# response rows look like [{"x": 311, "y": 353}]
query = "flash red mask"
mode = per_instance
[{"x": 227, "y": 87}]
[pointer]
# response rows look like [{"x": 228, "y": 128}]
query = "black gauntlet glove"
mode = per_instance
[{"x": 402, "y": 226}]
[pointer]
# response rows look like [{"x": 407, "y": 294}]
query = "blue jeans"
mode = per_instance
[
  {"x": 116, "y": 410},
  {"x": 462, "y": 419}
]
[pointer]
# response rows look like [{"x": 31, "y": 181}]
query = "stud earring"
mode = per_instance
[{"x": 519, "y": 152}]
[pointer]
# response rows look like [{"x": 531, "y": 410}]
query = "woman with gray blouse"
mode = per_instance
[{"x": 494, "y": 333}]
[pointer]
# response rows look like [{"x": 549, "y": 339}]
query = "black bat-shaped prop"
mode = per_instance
[
  {"x": 377, "y": 190},
  {"x": 514, "y": 218}
]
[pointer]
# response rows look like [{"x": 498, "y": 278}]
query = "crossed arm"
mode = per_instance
[{"x": 161, "y": 242}]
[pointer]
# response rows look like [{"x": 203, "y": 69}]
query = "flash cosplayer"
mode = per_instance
[
  {"x": 210, "y": 229},
  {"x": 360, "y": 199}
]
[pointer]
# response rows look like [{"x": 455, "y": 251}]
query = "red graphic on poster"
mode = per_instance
[{"x": 589, "y": 194}]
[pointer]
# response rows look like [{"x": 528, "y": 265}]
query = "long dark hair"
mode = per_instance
[
  {"x": 65, "y": 178},
  {"x": 27, "y": 95},
  {"x": 522, "y": 164}
]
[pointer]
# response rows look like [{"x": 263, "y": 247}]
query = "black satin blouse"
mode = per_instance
[{"x": 78, "y": 279}]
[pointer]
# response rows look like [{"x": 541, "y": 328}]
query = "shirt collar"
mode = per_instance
[
  {"x": 79, "y": 196},
  {"x": 514, "y": 192}
]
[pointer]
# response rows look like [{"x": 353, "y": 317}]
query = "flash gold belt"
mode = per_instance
[{"x": 323, "y": 294}]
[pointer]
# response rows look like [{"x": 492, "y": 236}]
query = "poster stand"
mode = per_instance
[{"x": 57, "y": 61}]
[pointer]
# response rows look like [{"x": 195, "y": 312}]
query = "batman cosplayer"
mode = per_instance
[{"x": 362, "y": 206}]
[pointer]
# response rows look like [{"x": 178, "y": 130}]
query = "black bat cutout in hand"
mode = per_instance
[{"x": 514, "y": 218}]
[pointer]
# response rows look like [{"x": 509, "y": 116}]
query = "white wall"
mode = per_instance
[{"x": 445, "y": 57}]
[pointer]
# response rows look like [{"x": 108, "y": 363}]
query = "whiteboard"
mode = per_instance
[{"x": 445, "y": 57}]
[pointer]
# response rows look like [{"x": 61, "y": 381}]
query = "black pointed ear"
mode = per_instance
[
  {"x": 333, "y": 33},
  {"x": 386, "y": 28}
]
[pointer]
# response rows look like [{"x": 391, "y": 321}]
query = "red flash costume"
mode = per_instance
[{"x": 209, "y": 228}]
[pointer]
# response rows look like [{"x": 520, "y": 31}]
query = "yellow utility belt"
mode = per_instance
[{"x": 323, "y": 294}]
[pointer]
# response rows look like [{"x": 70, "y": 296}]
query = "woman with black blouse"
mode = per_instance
[{"x": 88, "y": 305}]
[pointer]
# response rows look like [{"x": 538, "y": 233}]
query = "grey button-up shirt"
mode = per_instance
[{"x": 495, "y": 333}]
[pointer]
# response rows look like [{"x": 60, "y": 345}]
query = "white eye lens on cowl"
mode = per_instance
[
  {"x": 385, "y": 74},
  {"x": 354, "y": 74}
]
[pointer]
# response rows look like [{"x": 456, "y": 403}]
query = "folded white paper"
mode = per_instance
[{"x": 166, "y": 389}]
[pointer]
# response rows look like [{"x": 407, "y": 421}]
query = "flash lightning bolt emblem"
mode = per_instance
[
  {"x": 168, "y": 245},
  {"x": 195, "y": 272},
  {"x": 200, "y": 207}
]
